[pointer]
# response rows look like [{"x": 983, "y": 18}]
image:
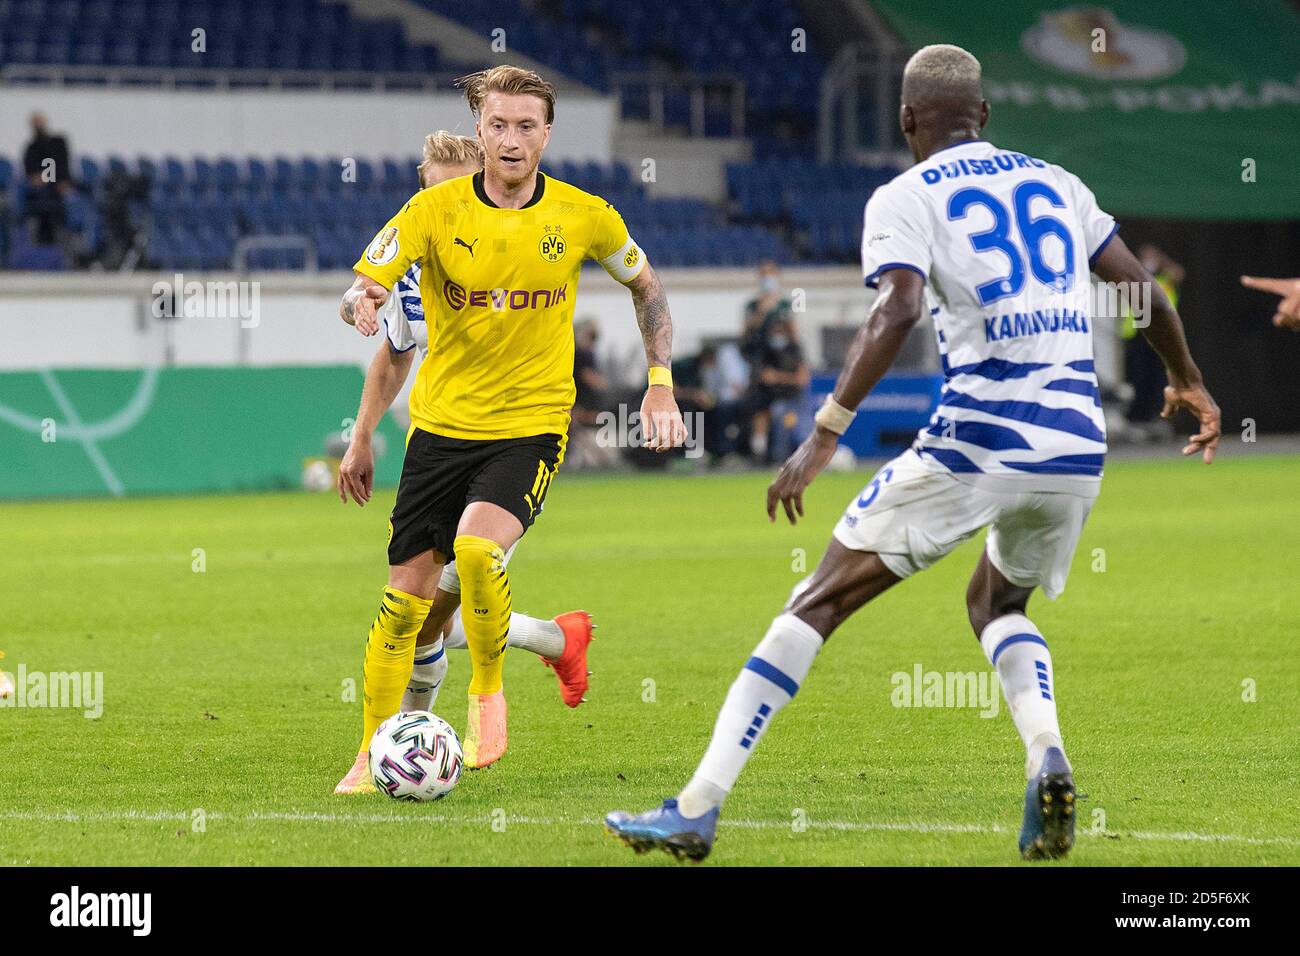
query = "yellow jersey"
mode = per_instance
[{"x": 498, "y": 287}]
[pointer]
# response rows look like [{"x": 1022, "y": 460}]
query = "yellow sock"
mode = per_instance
[
  {"x": 484, "y": 609},
  {"x": 390, "y": 654}
]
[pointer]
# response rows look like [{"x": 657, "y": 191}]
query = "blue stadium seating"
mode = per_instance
[
  {"x": 589, "y": 40},
  {"x": 197, "y": 209},
  {"x": 823, "y": 204},
  {"x": 788, "y": 210},
  {"x": 592, "y": 39},
  {"x": 238, "y": 34}
]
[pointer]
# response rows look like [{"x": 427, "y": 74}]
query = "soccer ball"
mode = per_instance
[
  {"x": 842, "y": 459},
  {"x": 317, "y": 476},
  {"x": 415, "y": 756}
]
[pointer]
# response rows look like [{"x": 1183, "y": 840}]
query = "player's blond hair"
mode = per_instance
[
  {"x": 511, "y": 80},
  {"x": 942, "y": 70},
  {"x": 448, "y": 149}
]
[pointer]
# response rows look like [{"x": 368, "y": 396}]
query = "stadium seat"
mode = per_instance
[{"x": 200, "y": 205}]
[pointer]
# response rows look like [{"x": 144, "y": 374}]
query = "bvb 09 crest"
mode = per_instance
[{"x": 552, "y": 247}]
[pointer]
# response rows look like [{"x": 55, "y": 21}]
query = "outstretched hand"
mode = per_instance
[
  {"x": 798, "y": 473},
  {"x": 1288, "y": 310},
  {"x": 359, "y": 308},
  {"x": 1198, "y": 401}
]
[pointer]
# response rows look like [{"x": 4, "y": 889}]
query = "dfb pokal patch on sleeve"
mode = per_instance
[{"x": 383, "y": 249}]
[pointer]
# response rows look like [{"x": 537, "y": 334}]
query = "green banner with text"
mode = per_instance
[{"x": 1181, "y": 109}]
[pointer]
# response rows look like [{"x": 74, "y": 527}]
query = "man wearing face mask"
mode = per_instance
[
  {"x": 781, "y": 377},
  {"x": 762, "y": 311}
]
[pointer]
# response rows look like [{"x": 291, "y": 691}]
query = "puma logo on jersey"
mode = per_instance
[{"x": 470, "y": 246}]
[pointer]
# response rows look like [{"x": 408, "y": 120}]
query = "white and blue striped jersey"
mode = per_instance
[
  {"x": 403, "y": 315},
  {"x": 1004, "y": 242}
]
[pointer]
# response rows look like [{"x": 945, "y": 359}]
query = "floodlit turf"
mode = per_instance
[{"x": 225, "y": 724}]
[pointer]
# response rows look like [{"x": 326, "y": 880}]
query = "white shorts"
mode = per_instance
[
  {"x": 912, "y": 516},
  {"x": 450, "y": 581}
]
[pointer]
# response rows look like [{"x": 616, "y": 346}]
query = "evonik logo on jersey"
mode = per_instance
[{"x": 502, "y": 300}]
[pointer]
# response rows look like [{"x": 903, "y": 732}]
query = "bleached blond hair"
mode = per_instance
[
  {"x": 448, "y": 149},
  {"x": 942, "y": 71},
  {"x": 512, "y": 80}
]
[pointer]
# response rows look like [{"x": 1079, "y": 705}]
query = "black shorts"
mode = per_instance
[{"x": 441, "y": 476}]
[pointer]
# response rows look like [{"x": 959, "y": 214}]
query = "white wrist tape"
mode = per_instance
[{"x": 834, "y": 417}]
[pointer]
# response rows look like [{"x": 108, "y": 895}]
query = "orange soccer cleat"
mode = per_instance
[
  {"x": 358, "y": 779},
  {"x": 571, "y": 666},
  {"x": 485, "y": 730}
]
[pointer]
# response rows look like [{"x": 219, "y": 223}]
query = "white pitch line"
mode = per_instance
[
  {"x": 424, "y": 819},
  {"x": 92, "y": 450}
]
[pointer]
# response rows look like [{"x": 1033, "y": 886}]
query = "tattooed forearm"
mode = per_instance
[
  {"x": 348, "y": 309},
  {"x": 652, "y": 316}
]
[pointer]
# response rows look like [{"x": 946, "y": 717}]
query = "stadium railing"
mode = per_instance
[
  {"x": 648, "y": 95},
  {"x": 219, "y": 79}
]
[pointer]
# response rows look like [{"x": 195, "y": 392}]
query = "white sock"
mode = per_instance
[
  {"x": 540, "y": 635},
  {"x": 767, "y": 683},
  {"x": 543, "y": 637},
  {"x": 426, "y": 677},
  {"x": 1015, "y": 647}
]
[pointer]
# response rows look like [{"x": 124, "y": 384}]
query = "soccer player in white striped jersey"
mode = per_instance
[
  {"x": 997, "y": 246},
  {"x": 560, "y": 642}
]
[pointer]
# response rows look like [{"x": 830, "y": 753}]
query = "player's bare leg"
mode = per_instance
[
  {"x": 485, "y": 533},
  {"x": 1017, "y": 650},
  {"x": 390, "y": 652},
  {"x": 561, "y": 642},
  {"x": 843, "y": 582}
]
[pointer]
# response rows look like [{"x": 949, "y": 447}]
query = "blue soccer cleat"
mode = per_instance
[
  {"x": 1048, "y": 830},
  {"x": 665, "y": 828}
]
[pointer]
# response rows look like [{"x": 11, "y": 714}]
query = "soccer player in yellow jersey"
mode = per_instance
[
  {"x": 561, "y": 642},
  {"x": 501, "y": 252}
]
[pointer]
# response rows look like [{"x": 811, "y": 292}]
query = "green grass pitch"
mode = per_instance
[{"x": 225, "y": 724}]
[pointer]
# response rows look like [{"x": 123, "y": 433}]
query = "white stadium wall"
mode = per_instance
[
  {"x": 262, "y": 123},
  {"x": 106, "y": 321}
]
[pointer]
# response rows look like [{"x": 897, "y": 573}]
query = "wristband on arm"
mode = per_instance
[
  {"x": 661, "y": 376},
  {"x": 834, "y": 417}
]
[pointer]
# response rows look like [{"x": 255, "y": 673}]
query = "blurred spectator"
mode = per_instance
[
  {"x": 49, "y": 179},
  {"x": 590, "y": 384},
  {"x": 122, "y": 193},
  {"x": 702, "y": 384},
  {"x": 591, "y": 398},
  {"x": 1142, "y": 366},
  {"x": 688, "y": 380},
  {"x": 726, "y": 374},
  {"x": 781, "y": 378},
  {"x": 760, "y": 312}
]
